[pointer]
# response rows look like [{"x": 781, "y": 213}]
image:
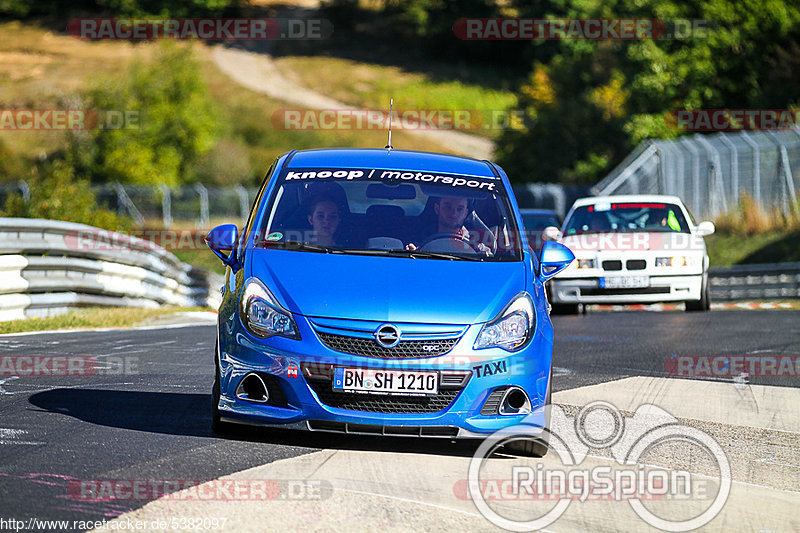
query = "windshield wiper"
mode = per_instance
[
  {"x": 299, "y": 245},
  {"x": 414, "y": 254}
]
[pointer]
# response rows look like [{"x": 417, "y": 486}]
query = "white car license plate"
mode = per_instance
[
  {"x": 385, "y": 381},
  {"x": 625, "y": 282}
]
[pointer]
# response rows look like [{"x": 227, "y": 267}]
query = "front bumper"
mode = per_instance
[
  {"x": 662, "y": 289},
  {"x": 308, "y": 403}
]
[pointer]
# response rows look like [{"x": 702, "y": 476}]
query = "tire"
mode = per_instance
[
  {"x": 535, "y": 447},
  {"x": 704, "y": 303},
  {"x": 565, "y": 309}
]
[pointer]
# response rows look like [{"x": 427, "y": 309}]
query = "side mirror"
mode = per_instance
[
  {"x": 705, "y": 228},
  {"x": 551, "y": 233},
  {"x": 555, "y": 258},
  {"x": 222, "y": 241}
]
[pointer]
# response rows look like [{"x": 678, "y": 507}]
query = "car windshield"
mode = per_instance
[
  {"x": 626, "y": 217},
  {"x": 539, "y": 221},
  {"x": 392, "y": 213}
]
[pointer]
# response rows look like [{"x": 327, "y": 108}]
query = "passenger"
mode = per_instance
[
  {"x": 450, "y": 215},
  {"x": 324, "y": 215}
]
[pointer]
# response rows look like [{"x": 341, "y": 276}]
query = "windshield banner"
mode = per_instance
[{"x": 473, "y": 183}]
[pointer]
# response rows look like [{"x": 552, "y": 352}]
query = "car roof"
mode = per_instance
[
  {"x": 580, "y": 202},
  {"x": 389, "y": 159}
]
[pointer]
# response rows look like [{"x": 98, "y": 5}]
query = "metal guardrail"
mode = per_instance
[
  {"x": 759, "y": 282},
  {"x": 49, "y": 267}
]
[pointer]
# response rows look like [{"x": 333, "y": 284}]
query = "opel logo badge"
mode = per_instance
[{"x": 387, "y": 335}]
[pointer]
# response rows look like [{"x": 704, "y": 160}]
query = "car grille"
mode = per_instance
[
  {"x": 618, "y": 292},
  {"x": 372, "y": 429},
  {"x": 612, "y": 264},
  {"x": 370, "y": 348},
  {"x": 374, "y": 403},
  {"x": 635, "y": 264}
]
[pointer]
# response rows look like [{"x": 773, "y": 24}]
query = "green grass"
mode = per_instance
[
  {"x": 371, "y": 86},
  {"x": 769, "y": 247},
  {"x": 92, "y": 317}
]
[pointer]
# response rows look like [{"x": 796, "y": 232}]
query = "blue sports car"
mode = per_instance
[{"x": 384, "y": 292}]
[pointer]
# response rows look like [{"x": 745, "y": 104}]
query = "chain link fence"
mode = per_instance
[
  {"x": 147, "y": 205},
  {"x": 710, "y": 173}
]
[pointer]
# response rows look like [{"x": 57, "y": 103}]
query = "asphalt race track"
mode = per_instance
[{"x": 144, "y": 412}]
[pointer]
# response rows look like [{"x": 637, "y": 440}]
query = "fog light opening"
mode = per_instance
[
  {"x": 515, "y": 402},
  {"x": 253, "y": 389}
]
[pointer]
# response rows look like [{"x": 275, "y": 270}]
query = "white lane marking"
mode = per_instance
[
  {"x": 4, "y": 381},
  {"x": 45, "y": 389},
  {"x": 12, "y": 436},
  {"x": 561, "y": 371}
]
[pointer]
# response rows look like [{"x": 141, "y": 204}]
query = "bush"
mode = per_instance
[
  {"x": 56, "y": 194},
  {"x": 176, "y": 122},
  {"x": 751, "y": 219}
]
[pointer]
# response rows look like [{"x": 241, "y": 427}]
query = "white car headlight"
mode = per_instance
[
  {"x": 676, "y": 261},
  {"x": 512, "y": 329},
  {"x": 263, "y": 315}
]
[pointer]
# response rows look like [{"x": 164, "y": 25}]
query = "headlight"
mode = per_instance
[
  {"x": 263, "y": 315},
  {"x": 585, "y": 263},
  {"x": 512, "y": 329},
  {"x": 675, "y": 261}
]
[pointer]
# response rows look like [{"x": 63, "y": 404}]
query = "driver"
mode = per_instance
[{"x": 450, "y": 214}]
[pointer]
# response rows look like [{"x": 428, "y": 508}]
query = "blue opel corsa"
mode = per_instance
[{"x": 384, "y": 292}]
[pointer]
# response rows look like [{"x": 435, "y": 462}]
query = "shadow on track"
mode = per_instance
[{"x": 180, "y": 414}]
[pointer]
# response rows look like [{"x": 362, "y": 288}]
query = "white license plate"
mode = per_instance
[
  {"x": 625, "y": 282},
  {"x": 385, "y": 381}
]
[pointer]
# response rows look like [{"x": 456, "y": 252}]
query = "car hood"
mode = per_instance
[
  {"x": 633, "y": 242},
  {"x": 392, "y": 289}
]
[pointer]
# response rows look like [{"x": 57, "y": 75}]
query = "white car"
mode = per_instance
[{"x": 631, "y": 249}]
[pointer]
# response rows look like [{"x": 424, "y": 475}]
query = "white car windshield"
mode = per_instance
[{"x": 626, "y": 217}]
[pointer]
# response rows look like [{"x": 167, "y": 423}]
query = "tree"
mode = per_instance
[{"x": 173, "y": 123}]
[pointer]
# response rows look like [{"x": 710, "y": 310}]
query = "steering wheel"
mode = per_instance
[{"x": 449, "y": 237}]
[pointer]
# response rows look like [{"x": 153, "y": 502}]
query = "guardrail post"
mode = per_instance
[
  {"x": 25, "y": 190},
  {"x": 125, "y": 201},
  {"x": 244, "y": 201},
  {"x": 734, "y": 166},
  {"x": 716, "y": 190},
  {"x": 785, "y": 172},
  {"x": 756, "y": 165},
  {"x": 695, "y": 173},
  {"x": 204, "y": 216},
  {"x": 166, "y": 205}
]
